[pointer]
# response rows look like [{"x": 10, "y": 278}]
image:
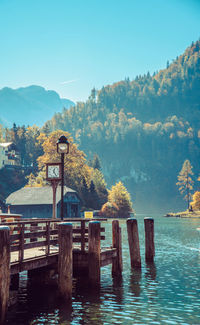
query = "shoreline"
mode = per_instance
[{"x": 184, "y": 214}]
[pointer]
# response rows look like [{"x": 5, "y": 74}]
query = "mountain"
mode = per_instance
[
  {"x": 143, "y": 130},
  {"x": 30, "y": 105}
]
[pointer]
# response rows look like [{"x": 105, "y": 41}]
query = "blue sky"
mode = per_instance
[{"x": 71, "y": 46}]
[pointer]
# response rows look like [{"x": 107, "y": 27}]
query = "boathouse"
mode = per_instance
[{"x": 37, "y": 202}]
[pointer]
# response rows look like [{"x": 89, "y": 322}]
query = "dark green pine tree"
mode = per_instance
[
  {"x": 95, "y": 162},
  {"x": 14, "y": 134},
  {"x": 85, "y": 193},
  {"x": 93, "y": 197}
]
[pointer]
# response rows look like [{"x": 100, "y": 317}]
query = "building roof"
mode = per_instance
[
  {"x": 6, "y": 144},
  {"x": 36, "y": 195}
]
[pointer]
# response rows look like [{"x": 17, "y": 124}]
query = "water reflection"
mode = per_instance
[
  {"x": 166, "y": 292},
  {"x": 134, "y": 282},
  {"x": 118, "y": 290},
  {"x": 89, "y": 302},
  {"x": 150, "y": 273},
  {"x": 65, "y": 312}
]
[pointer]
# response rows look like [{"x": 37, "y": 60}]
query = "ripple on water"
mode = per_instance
[{"x": 167, "y": 292}]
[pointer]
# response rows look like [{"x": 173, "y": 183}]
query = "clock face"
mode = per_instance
[{"x": 53, "y": 171}]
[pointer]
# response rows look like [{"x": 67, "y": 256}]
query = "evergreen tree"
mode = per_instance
[
  {"x": 185, "y": 182},
  {"x": 100, "y": 186},
  {"x": 95, "y": 162},
  {"x": 93, "y": 201},
  {"x": 85, "y": 193}
]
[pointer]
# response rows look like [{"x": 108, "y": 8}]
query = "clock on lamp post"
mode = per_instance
[{"x": 53, "y": 175}]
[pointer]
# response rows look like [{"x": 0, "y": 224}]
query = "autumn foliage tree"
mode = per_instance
[
  {"x": 119, "y": 201},
  {"x": 75, "y": 167},
  {"x": 88, "y": 182},
  {"x": 185, "y": 182},
  {"x": 196, "y": 201}
]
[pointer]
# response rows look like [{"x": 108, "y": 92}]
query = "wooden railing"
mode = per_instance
[{"x": 43, "y": 234}]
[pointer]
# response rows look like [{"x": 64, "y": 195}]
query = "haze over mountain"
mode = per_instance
[
  {"x": 143, "y": 130},
  {"x": 30, "y": 105}
]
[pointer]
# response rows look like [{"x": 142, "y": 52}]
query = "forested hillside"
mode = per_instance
[{"x": 143, "y": 130}]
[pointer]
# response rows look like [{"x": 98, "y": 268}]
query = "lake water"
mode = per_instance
[{"x": 167, "y": 292}]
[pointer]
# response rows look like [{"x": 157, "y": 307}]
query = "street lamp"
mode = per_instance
[{"x": 62, "y": 148}]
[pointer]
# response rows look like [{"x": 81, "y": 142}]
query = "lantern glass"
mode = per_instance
[{"x": 63, "y": 145}]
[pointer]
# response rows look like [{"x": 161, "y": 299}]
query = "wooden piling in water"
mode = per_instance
[
  {"x": 117, "y": 265},
  {"x": 4, "y": 271},
  {"x": 133, "y": 240},
  {"x": 94, "y": 250},
  {"x": 65, "y": 262},
  {"x": 149, "y": 239}
]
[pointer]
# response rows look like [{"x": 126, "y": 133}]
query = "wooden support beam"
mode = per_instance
[
  {"x": 149, "y": 239},
  {"x": 65, "y": 263},
  {"x": 4, "y": 271},
  {"x": 133, "y": 240},
  {"x": 82, "y": 236},
  {"x": 14, "y": 282},
  {"x": 34, "y": 225},
  {"x": 48, "y": 237},
  {"x": 21, "y": 244},
  {"x": 117, "y": 265},
  {"x": 94, "y": 250},
  {"x": 42, "y": 275}
]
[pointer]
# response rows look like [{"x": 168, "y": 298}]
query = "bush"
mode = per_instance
[{"x": 109, "y": 210}]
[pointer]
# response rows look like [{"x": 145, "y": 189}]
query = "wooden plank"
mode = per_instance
[
  {"x": 21, "y": 243},
  {"x": 33, "y": 228},
  {"x": 35, "y": 244},
  {"x": 83, "y": 231},
  {"x": 4, "y": 271},
  {"x": 14, "y": 237},
  {"x": 108, "y": 253},
  {"x": 78, "y": 239},
  {"x": 33, "y": 263},
  {"x": 48, "y": 238},
  {"x": 78, "y": 230}
]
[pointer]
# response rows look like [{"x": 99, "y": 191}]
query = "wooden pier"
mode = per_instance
[{"x": 46, "y": 247}]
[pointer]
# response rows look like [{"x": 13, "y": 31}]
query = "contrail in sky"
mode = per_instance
[{"x": 68, "y": 82}]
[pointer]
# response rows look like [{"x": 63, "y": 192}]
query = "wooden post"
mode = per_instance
[
  {"x": 33, "y": 227},
  {"x": 149, "y": 239},
  {"x": 117, "y": 265},
  {"x": 54, "y": 184},
  {"x": 94, "y": 249},
  {"x": 4, "y": 270},
  {"x": 65, "y": 263},
  {"x": 134, "y": 245},
  {"x": 82, "y": 235},
  {"x": 21, "y": 243},
  {"x": 48, "y": 237}
]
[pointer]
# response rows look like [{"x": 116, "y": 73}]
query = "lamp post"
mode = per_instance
[{"x": 62, "y": 148}]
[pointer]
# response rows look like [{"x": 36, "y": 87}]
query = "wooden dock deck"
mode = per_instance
[
  {"x": 35, "y": 244},
  {"x": 67, "y": 248}
]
